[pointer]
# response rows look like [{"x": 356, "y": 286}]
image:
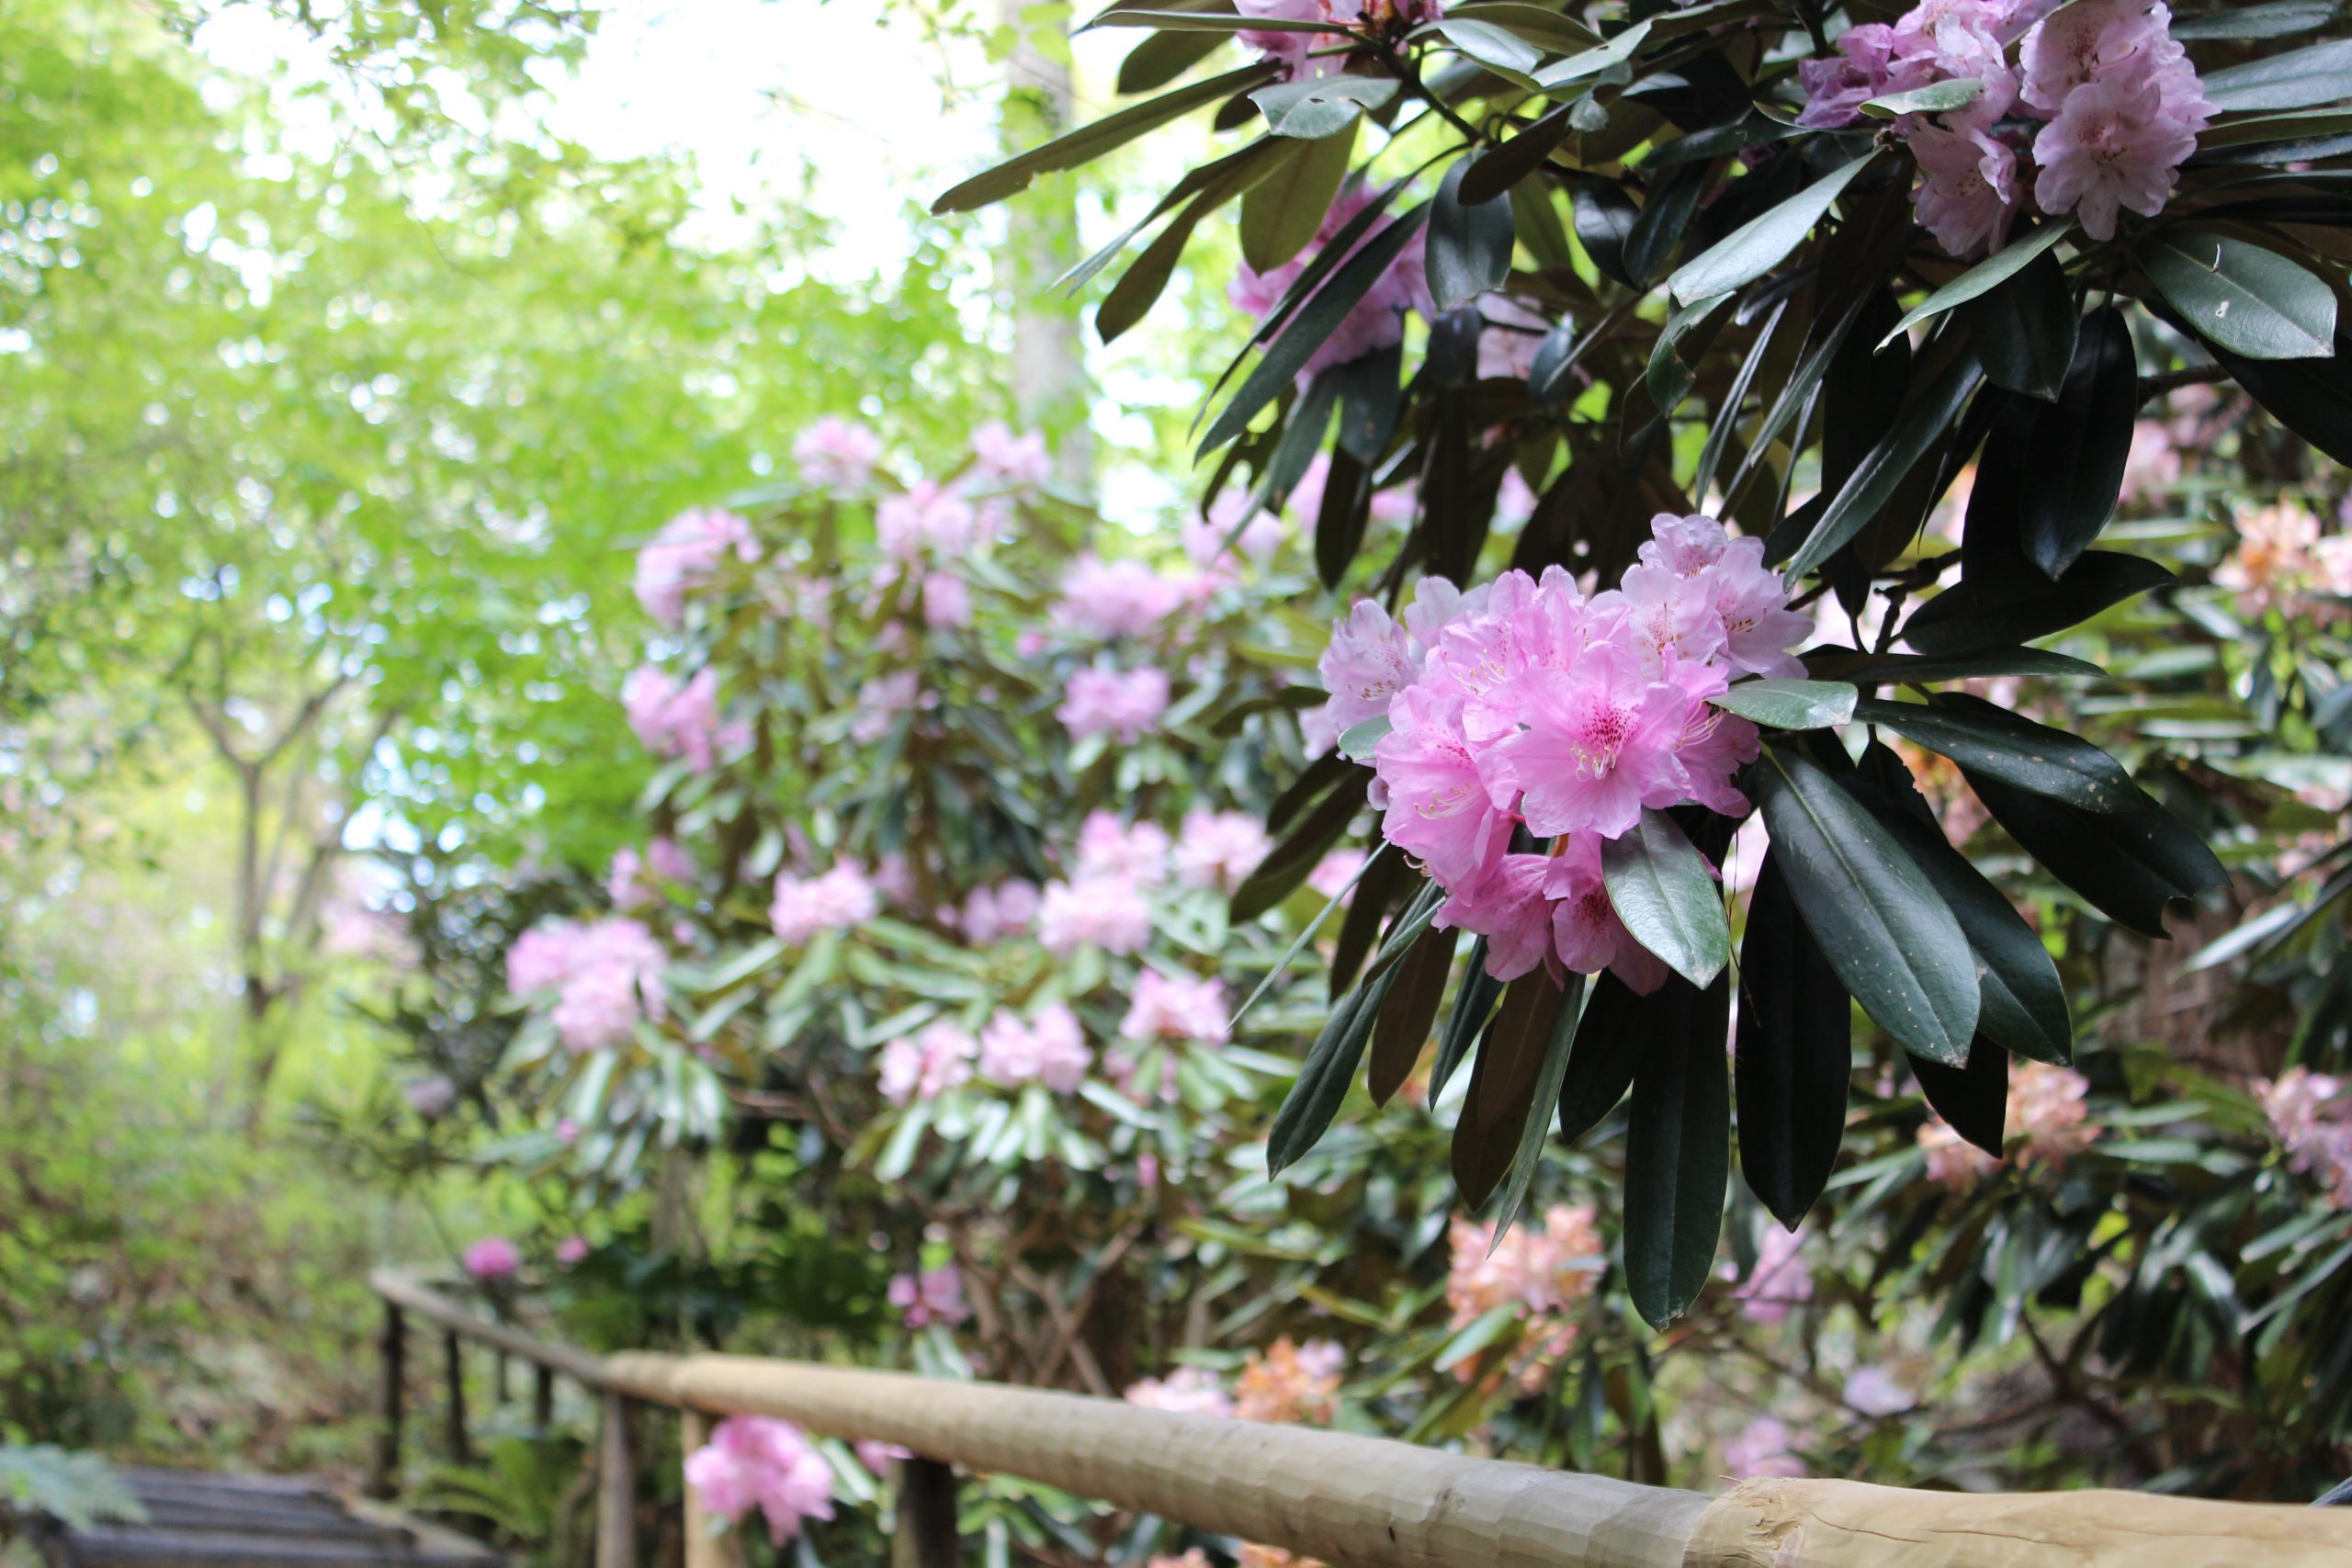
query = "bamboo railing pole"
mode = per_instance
[
  {"x": 419, "y": 1300},
  {"x": 1371, "y": 1503},
  {"x": 384, "y": 1464},
  {"x": 705, "y": 1547},
  {"x": 615, "y": 1489},
  {"x": 926, "y": 1535}
]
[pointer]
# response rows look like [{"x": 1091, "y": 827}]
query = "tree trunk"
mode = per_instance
[{"x": 1049, "y": 384}]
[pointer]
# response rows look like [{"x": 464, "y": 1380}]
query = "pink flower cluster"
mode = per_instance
[
  {"x": 2282, "y": 562},
  {"x": 1187, "y": 1390},
  {"x": 1104, "y": 902},
  {"x": 2123, "y": 105},
  {"x": 1378, "y": 318},
  {"x": 606, "y": 974},
  {"x": 2045, "y": 1117},
  {"x": 928, "y": 1062},
  {"x": 1779, "y": 1282},
  {"x": 837, "y": 900},
  {"x": 1539, "y": 1274},
  {"x": 836, "y": 454},
  {"x": 1181, "y": 1007},
  {"x": 1049, "y": 1048},
  {"x": 989, "y": 914},
  {"x": 2311, "y": 1115},
  {"x": 625, "y": 882},
  {"x": 683, "y": 556},
  {"x": 1219, "y": 848},
  {"x": 1300, "y": 54},
  {"x": 673, "y": 718},
  {"x": 1291, "y": 1384},
  {"x": 1762, "y": 1450},
  {"x": 1117, "y": 598},
  {"x": 756, "y": 1462},
  {"x": 492, "y": 1257},
  {"x": 1122, "y": 703},
  {"x": 925, "y": 518},
  {"x": 999, "y": 457},
  {"x": 934, "y": 1295},
  {"x": 1526, "y": 702}
]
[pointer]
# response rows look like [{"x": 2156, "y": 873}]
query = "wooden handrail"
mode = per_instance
[
  {"x": 404, "y": 1290},
  {"x": 1359, "y": 1501}
]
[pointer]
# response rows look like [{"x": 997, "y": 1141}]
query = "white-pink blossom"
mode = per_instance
[
  {"x": 673, "y": 718},
  {"x": 684, "y": 555},
  {"x": 836, "y": 454},
  {"x": 928, "y": 1062},
  {"x": 1177, "y": 1008},
  {"x": 1108, "y": 912},
  {"x": 840, "y": 899},
  {"x": 1123, "y": 704}
]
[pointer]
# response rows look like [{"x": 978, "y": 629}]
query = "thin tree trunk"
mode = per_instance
[{"x": 1049, "y": 383}]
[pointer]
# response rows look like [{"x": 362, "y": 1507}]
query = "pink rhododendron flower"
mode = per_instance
[
  {"x": 1006, "y": 909},
  {"x": 2311, "y": 1113},
  {"x": 1761, "y": 1451},
  {"x": 1108, "y": 847},
  {"x": 673, "y": 719},
  {"x": 1291, "y": 51},
  {"x": 927, "y": 1064},
  {"x": 1507, "y": 347},
  {"x": 2152, "y": 466},
  {"x": 2282, "y": 564},
  {"x": 1780, "y": 1279},
  {"x": 836, "y": 454},
  {"x": 683, "y": 556},
  {"x": 1187, "y": 1390},
  {"x": 1540, "y": 1275},
  {"x": 1334, "y": 873},
  {"x": 1970, "y": 194},
  {"x": 936, "y": 1296},
  {"x": 2045, "y": 1118},
  {"x": 947, "y": 601},
  {"x": 570, "y": 1251},
  {"x": 925, "y": 517},
  {"x": 1874, "y": 1392},
  {"x": 606, "y": 975},
  {"x": 1377, "y": 319},
  {"x": 879, "y": 1457},
  {"x": 840, "y": 899},
  {"x": 1110, "y": 702},
  {"x": 1108, "y": 912},
  {"x": 1182, "y": 1007},
  {"x": 667, "y": 861},
  {"x": 2116, "y": 144},
  {"x": 1118, "y": 598},
  {"x": 1049, "y": 1048},
  {"x": 623, "y": 880},
  {"x": 1863, "y": 68},
  {"x": 1291, "y": 1384},
  {"x": 1021, "y": 462},
  {"x": 492, "y": 1257},
  {"x": 1219, "y": 848},
  {"x": 756, "y": 1462},
  {"x": 1212, "y": 541}
]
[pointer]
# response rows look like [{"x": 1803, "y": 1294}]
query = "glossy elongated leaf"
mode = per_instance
[
  {"x": 1515, "y": 159},
  {"x": 1985, "y": 276},
  {"x": 1161, "y": 58},
  {"x": 1921, "y": 668},
  {"x": 1663, "y": 219},
  {"x": 1677, "y": 1151},
  {"x": 2300, "y": 79},
  {"x": 1184, "y": 190},
  {"x": 1494, "y": 47},
  {"x": 1923, "y": 425},
  {"x": 1604, "y": 216},
  {"x": 1324, "y": 1076},
  {"x": 1317, "y": 106},
  {"x": 2248, "y": 300},
  {"x": 1381, "y": 888},
  {"x": 2280, "y": 19},
  {"x": 1410, "y": 1009},
  {"x": 1311, "y": 325},
  {"x": 1142, "y": 284},
  {"x": 2310, "y": 397},
  {"x": 1972, "y": 1099},
  {"x": 2023, "y": 331},
  {"x": 1282, "y": 210},
  {"x": 1548, "y": 376},
  {"x": 2021, "y": 1000},
  {"x": 1662, "y": 890},
  {"x": 1201, "y": 18},
  {"x": 1091, "y": 141},
  {"x": 1469, "y": 244},
  {"x": 1593, "y": 62},
  {"x": 1878, "y": 920},
  {"x": 2129, "y": 864},
  {"x": 1783, "y": 704},
  {"x": 1794, "y": 1052},
  {"x": 1753, "y": 249},
  {"x": 1968, "y": 616},
  {"x": 1616, "y": 1028},
  {"x": 1993, "y": 740},
  {"x": 1474, "y": 1004},
  {"x": 1502, "y": 1084},
  {"x": 1287, "y": 864},
  {"x": 1935, "y": 97},
  {"x": 1536, "y": 1121},
  {"x": 2075, "y": 452}
]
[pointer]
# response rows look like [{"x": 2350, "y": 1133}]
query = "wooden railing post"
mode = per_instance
[
  {"x": 616, "y": 1490},
  {"x": 384, "y": 1466},
  {"x": 453, "y": 1408},
  {"x": 926, "y": 1536},
  {"x": 542, "y": 1398},
  {"x": 705, "y": 1546}
]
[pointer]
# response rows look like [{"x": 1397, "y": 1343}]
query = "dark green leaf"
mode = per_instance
[
  {"x": 1677, "y": 1151},
  {"x": 2130, "y": 864},
  {"x": 1502, "y": 1085},
  {"x": 1324, "y": 1076},
  {"x": 1662, "y": 890},
  {"x": 1789, "y": 705},
  {"x": 1347, "y": 508},
  {"x": 1529, "y": 1156},
  {"x": 2023, "y": 331},
  {"x": 1410, "y": 1011},
  {"x": 1317, "y": 106},
  {"x": 1540, "y": 25},
  {"x": 2310, "y": 397},
  {"x": 1517, "y": 158},
  {"x": 1919, "y": 669},
  {"x": 1758, "y": 245},
  {"x": 1091, "y": 141},
  {"x": 1281, "y": 212},
  {"x": 2320, "y": 74},
  {"x": 1973, "y": 1100},
  {"x": 1469, "y": 246},
  {"x": 1926, "y": 420},
  {"x": 2250, "y": 300},
  {"x": 2075, "y": 452},
  {"x": 1174, "y": 20},
  {"x": 1491, "y": 46},
  {"x": 1383, "y": 886},
  {"x": 1989, "y": 274},
  {"x": 1617, "y": 1028},
  {"x": 1604, "y": 216},
  {"x": 1663, "y": 217},
  {"x": 1992, "y": 740},
  {"x": 1161, "y": 58},
  {"x": 1966, "y": 616},
  {"x": 1794, "y": 1051},
  {"x": 1369, "y": 391},
  {"x": 1287, "y": 864},
  {"x": 1315, "y": 321},
  {"x": 1547, "y": 375},
  {"x": 1474, "y": 1004},
  {"x": 1141, "y": 285},
  {"x": 2280, "y": 18},
  {"x": 1935, "y": 97},
  {"x": 1877, "y": 918}
]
